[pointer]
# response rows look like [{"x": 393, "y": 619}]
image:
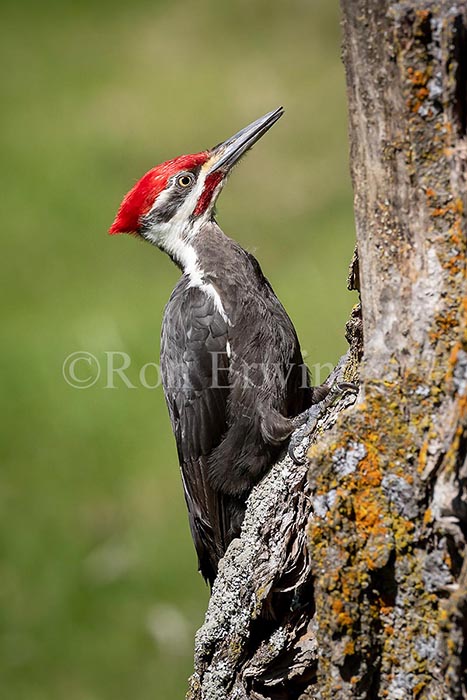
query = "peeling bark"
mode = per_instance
[{"x": 349, "y": 579}]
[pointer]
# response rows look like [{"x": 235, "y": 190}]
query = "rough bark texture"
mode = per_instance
[{"x": 349, "y": 578}]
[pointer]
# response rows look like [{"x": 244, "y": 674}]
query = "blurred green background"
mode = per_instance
[{"x": 99, "y": 594}]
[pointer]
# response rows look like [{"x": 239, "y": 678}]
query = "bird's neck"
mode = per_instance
[
  {"x": 206, "y": 259},
  {"x": 200, "y": 251}
]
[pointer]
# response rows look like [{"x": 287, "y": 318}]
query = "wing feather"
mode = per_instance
[{"x": 193, "y": 331}]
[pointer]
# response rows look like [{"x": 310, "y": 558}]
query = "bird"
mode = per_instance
[{"x": 233, "y": 374}]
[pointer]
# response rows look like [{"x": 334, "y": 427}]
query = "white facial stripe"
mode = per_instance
[
  {"x": 189, "y": 203},
  {"x": 169, "y": 235},
  {"x": 161, "y": 200}
]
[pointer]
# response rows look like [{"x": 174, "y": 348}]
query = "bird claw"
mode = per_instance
[{"x": 306, "y": 422}]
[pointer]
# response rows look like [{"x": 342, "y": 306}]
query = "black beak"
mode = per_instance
[{"x": 226, "y": 154}]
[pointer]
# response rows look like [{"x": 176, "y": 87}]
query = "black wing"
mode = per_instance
[{"x": 194, "y": 364}]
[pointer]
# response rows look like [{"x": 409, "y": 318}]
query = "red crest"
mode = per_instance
[{"x": 142, "y": 196}]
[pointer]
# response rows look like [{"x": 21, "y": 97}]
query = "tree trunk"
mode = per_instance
[{"x": 348, "y": 580}]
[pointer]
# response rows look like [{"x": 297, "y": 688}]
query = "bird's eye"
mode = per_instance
[{"x": 185, "y": 180}]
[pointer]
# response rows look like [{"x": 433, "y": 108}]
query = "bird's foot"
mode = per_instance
[{"x": 306, "y": 422}]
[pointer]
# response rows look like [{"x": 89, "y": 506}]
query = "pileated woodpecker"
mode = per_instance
[{"x": 232, "y": 370}]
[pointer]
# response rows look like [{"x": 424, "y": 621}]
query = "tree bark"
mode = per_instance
[{"x": 348, "y": 580}]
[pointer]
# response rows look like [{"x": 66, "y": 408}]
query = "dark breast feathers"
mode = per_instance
[{"x": 233, "y": 376}]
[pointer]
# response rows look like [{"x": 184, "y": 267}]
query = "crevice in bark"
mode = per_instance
[
  {"x": 459, "y": 502},
  {"x": 424, "y": 27},
  {"x": 460, "y": 59}
]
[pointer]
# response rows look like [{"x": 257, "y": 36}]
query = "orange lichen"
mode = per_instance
[
  {"x": 457, "y": 232},
  {"x": 344, "y": 620},
  {"x": 417, "y": 77},
  {"x": 456, "y": 207},
  {"x": 422, "y": 457},
  {"x": 369, "y": 470},
  {"x": 385, "y": 607},
  {"x": 445, "y": 322},
  {"x": 423, "y": 15},
  {"x": 418, "y": 688},
  {"x": 368, "y": 515},
  {"x": 363, "y": 527},
  {"x": 441, "y": 211}
]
